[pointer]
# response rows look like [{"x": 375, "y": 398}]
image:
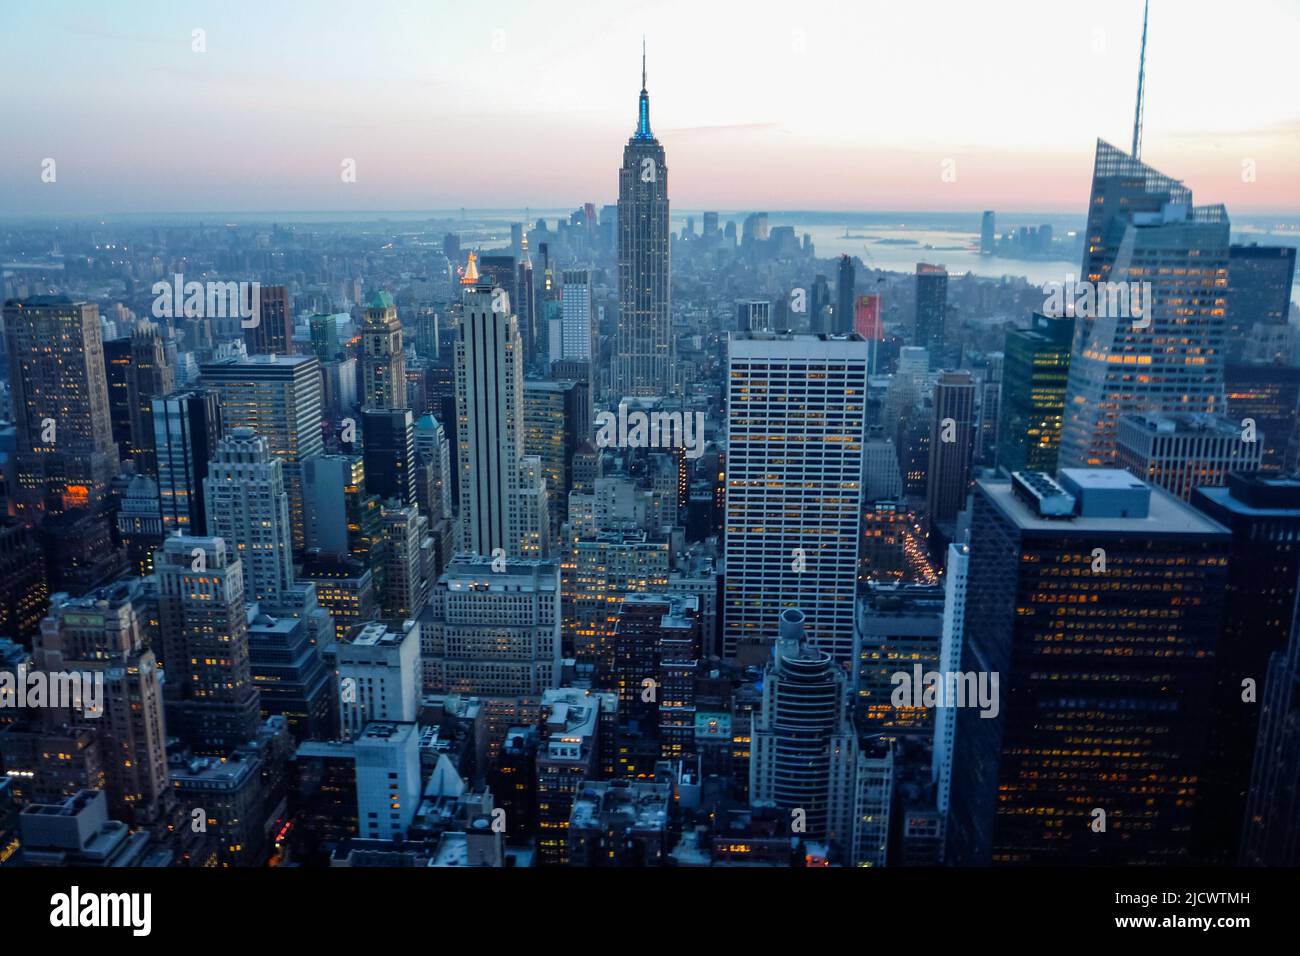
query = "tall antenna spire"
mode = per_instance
[
  {"x": 643, "y": 109},
  {"x": 1142, "y": 78}
]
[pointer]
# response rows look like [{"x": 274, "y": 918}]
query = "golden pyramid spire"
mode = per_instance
[{"x": 471, "y": 271}]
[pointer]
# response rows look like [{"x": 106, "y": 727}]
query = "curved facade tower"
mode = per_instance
[
  {"x": 643, "y": 350},
  {"x": 803, "y": 755}
]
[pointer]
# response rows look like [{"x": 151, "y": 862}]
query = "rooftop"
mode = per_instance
[{"x": 1166, "y": 514}]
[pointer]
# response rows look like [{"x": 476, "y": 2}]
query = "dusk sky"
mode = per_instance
[{"x": 837, "y": 106}]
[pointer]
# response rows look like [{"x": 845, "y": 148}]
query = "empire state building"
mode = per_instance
[{"x": 643, "y": 354}]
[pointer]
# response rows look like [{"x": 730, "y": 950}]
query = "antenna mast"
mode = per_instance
[{"x": 1142, "y": 77}]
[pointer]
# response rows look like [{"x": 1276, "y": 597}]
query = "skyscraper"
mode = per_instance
[
  {"x": 1263, "y": 513},
  {"x": 24, "y": 592},
  {"x": 1034, "y": 373},
  {"x": 187, "y": 427},
  {"x": 383, "y": 361},
  {"x": 139, "y": 372},
  {"x": 819, "y": 306},
  {"x": 490, "y": 423},
  {"x": 211, "y": 701},
  {"x": 1166, "y": 356},
  {"x": 1272, "y": 828},
  {"x": 656, "y": 649},
  {"x": 988, "y": 233},
  {"x": 754, "y": 315},
  {"x": 433, "y": 450},
  {"x": 556, "y": 421},
  {"x": 405, "y": 591},
  {"x": 931, "y": 310},
  {"x": 897, "y": 626},
  {"x": 66, "y": 456},
  {"x": 527, "y": 302},
  {"x": 388, "y": 437},
  {"x": 951, "y": 439},
  {"x": 576, "y": 321},
  {"x": 273, "y": 332},
  {"x": 1268, "y": 395},
  {"x": 279, "y": 397},
  {"x": 248, "y": 507},
  {"x": 1259, "y": 287},
  {"x": 1107, "y": 709},
  {"x": 643, "y": 347},
  {"x": 104, "y": 631},
  {"x": 796, "y": 426},
  {"x": 845, "y": 296},
  {"x": 804, "y": 755},
  {"x": 139, "y": 523}
]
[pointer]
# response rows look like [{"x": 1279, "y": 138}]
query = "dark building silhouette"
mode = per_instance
[
  {"x": 1106, "y": 672},
  {"x": 845, "y": 296},
  {"x": 1263, "y": 514},
  {"x": 952, "y": 438},
  {"x": 389, "y": 454},
  {"x": 931, "y": 310},
  {"x": 273, "y": 333}
]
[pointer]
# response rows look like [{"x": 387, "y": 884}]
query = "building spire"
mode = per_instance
[
  {"x": 471, "y": 271},
  {"x": 643, "y": 111},
  {"x": 1142, "y": 76}
]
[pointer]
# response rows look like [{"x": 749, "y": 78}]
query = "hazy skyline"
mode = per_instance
[{"x": 831, "y": 107}]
